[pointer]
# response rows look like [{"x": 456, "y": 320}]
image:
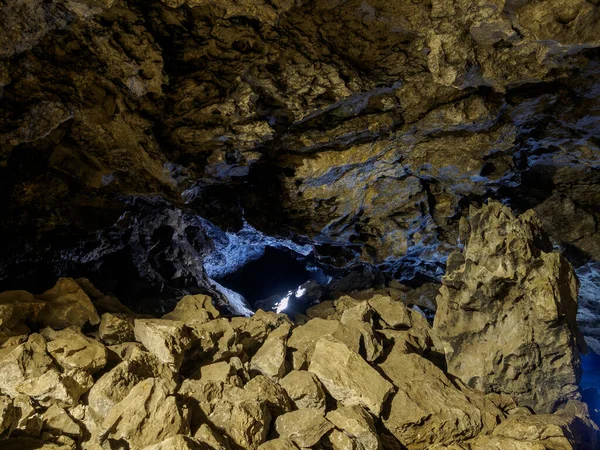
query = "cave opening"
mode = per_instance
[{"x": 265, "y": 281}]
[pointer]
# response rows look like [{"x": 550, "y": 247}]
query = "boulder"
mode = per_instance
[
  {"x": 252, "y": 331},
  {"x": 210, "y": 438},
  {"x": 166, "y": 339},
  {"x": 271, "y": 393},
  {"x": 22, "y": 362},
  {"x": 116, "y": 328},
  {"x": 22, "y": 443},
  {"x": 103, "y": 303},
  {"x": 427, "y": 408},
  {"x": 215, "y": 341},
  {"x": 112, "y": 387},
  {"x": 147, "y": 416},
  {"x": 224, "y": 371},
  {"x": 303, "y": 339},
  {"x": 8, "y": 415},
  {"x": 193, "y": 310},
  {"x": 304, "y": 389},
  {"x": 356, "y": 423},
  {"x": 393, "y": 313},
  {"x": 29, "y": 422},
  {"x": 53, "y": 387},
  {"x": 506, "y": 311},
  {"x": 347, "y": 376},
  {"x": 270, "y": 358},
  {"x": 67, "y": 305},
  {"x": 240, "y": 414},
  {"x": 57, "y": 421},
  {"x": 305, "y": 427},
  {"x": 16, "y": 308},
  {"x": 73, "y": 350}
]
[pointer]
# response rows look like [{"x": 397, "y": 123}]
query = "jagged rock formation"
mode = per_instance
[
  {"x": 363, "y": 372},
  {"x": 365, "y": 127}
]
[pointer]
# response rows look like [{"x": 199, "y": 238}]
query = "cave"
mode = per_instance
[{"x": 284, "y": 224}]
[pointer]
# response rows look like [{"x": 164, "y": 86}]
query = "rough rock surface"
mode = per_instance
[
  {"x": 233, "y": 389},
  {"x": 507, "y": 311}
]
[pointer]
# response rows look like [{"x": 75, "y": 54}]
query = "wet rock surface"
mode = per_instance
[{"x": 266, "y": 382}]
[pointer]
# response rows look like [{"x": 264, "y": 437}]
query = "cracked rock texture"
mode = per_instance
[{"x": 365, "y": 127}]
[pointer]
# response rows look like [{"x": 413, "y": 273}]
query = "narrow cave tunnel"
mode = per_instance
[{"x": 384, "y": 212}]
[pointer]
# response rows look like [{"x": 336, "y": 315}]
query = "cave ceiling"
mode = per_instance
[{"x": 365, "y": 128}]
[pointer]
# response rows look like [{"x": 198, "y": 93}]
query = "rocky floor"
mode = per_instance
[{"x": 499, "y": 369}]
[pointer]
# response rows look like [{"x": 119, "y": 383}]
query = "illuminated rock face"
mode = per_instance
[{"x": 363, "y": 129}]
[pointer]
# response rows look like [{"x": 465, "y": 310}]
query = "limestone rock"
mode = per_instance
[
  {"x": 357, "y": 424},
  {"x": 21, "y": 443},
  {"x": 67, "y": 305},
  {"x": 147, "y": 416},
  {"x": 112, "y": 387},
  {"x": 270, "y": 358},
  {"x": 506, "y": 311},
  {"x": 269, "y": 392},
  {"x": 208, "y": 437},
  {"x": 166, "y": 339},
  {"x": 58, "y": 421},
  {"x": 347, "y": 377},
  {"x": 73, "y": 350},
  {"x": 16, "y": 307},
  {"x": 253, "y": 331},
  {"x": 103, "y": 303},
  {"x": 305, "y": 427},
  {"x": 303, "y": 339},
  {"x": 215, "y": 340},
  {"x": 29, "y": 421},
  {"x": 23, "y": 362},
  {"x": 53, "y": 387},
  {"x": 305, "y": 390},
  {"x": 116, "y": 328},
  {"x": 8, "y": 415},
  {"x": 392, "y": 312},
  {"x": 427, "y": 408},
  {"x": 279, "y": 444},
  {"x": 193, "y": 310},
  {"x": 223, "y": 371}
]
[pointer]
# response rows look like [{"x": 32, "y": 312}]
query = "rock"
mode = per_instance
[
  {"x": 215, "y": 341},
  {"x": 72, "y": 350},
  {"x": 251, "y": 332},
  {"x": 53, "y": 387},
  {"x": 303, "y": 339},
  {"x": 178, "y": 442},
  {"x": 347, "y": 377},
  {"x": 270, "y": 358},
  {"x": 193, "y": 310},
  {"x": 116, "y": 328},
  {"x": 166, "y": 339},
  {"x": 17, "y": 307},
  {"x": 29, "y": 421},
  {"x": 114, "y": 386},
  {"x": 67, "y": 305},
  {"x": 226, "y": 372},
  {"x": 552, "y": 430},
  {"x": 103, "y": 303},
  {"x": 206, "y": 436},
  {"x": 305, "y": 427},
  {"x": 8, "y": 415},
  {"x": 21, "y": 443},
  {"x": 393, "y": 313},
  {"x": 305, "y": 390},
  {"x": 240, "y": 414},
  {"x": 357, "y": 424},
  {"x": 23, "y": 362},
  {"x": 147, "y": 416},
  {"x": 278, "y": 444},
  {"x": 506, "y": 311},
  {"x": 427, "y": 409},
  {"x": 57, "y": 421},
  {"x": 271, "y": 393}
]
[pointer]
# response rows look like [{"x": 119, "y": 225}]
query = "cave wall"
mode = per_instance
[{"x": 365, "y": 128}]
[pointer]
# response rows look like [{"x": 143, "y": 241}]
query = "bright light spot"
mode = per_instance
[
  {"x": 300, "y": 292},
  {"x": 283, "y": 304}
]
